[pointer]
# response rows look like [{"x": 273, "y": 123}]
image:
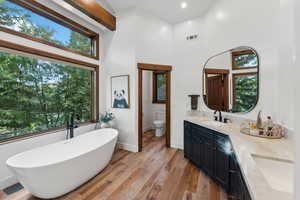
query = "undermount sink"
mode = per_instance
[
  {"x": 213, "y": 123},
  {"x": 278, "y": 173}
]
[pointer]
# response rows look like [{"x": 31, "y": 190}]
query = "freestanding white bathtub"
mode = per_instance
[{"x": 56, "y": 169}]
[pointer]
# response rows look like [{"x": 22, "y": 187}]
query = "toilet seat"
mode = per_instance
[{"x": 158, "y": 122}]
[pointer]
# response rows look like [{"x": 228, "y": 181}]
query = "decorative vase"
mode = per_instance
[
  {"x": 105, "y": 125},
  {"x": 109, "y": 124}
]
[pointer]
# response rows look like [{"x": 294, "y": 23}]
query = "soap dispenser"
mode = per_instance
[{"x": 259, "y": 123}]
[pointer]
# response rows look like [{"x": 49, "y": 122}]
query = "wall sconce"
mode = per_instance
[{"x": 194, "y": 101}]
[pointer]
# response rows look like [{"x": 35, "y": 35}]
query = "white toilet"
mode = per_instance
[{"x": 159, "y": 123}]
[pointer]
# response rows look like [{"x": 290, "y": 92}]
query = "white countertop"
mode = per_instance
[{"x": 261, "y": 183}]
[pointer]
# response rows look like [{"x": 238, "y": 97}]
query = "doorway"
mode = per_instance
[
  {"x": 156, "y": 69},
  {"x": 216, "y": 89}
]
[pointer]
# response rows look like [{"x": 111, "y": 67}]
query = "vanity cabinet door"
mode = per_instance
[
  {"x": 199, "y": 151},
  {"x": 207, "y": 149},
  {"x": 222, "y": 167},
  {"x": 194, "y": 148},
  {"x": 209, "y": 158},
  {"x": 245, "y": 195},
  {"x": 242, "y": 188},
  {"x": 237, "y": 187},
  {"x": 234, "y": 183},
  {"x": 188, "y": 149}
]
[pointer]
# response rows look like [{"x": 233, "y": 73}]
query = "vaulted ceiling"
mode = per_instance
[{"x": 168, "y": 10}]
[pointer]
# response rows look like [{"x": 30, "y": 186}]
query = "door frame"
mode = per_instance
[
  {"x": 155, "y": 68},
  {"x": 224, "y": 73}
]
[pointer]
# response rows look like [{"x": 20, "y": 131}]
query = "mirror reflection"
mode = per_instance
[{"x": 231, "y": 80}]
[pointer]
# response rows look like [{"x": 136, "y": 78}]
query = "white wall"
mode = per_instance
[
  {"x": 228, "y": 25},
  {"x": 285, "y": 104},
  {"x": 140, "y": 37},
  {"x": 143, "y": 38},
  {"x": 147, "y": 101},
  {"x": 119, "y": 59},
  {"x": 294, "y": 6},
  {"x": 154, "y": 40},
  {"x": 153, "y": 45}
]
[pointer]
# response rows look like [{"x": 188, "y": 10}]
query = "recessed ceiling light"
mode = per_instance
[
  {"x": 164, "y": 29},
  {"x": 183, "y": 5},
  {"x": 220, "y": 15}
]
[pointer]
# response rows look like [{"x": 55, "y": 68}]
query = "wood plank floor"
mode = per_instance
[{"x": 157, "y": 173}]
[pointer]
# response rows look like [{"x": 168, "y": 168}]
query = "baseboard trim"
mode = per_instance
[
  {"x": 9, "y": 181},
  {"x": 127, "y": 147},
  {"x": 177, "y": 146}
]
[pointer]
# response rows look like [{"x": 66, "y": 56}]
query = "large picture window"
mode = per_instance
[
  {"x": 38, "y": 95},
  {"x": 32, "y": 22}
]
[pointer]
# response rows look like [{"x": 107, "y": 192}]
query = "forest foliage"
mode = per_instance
[
  {"x": 38, "y": 95},
  {"x": 246, "y": 87},
  {"x": 246, "y": 93}
]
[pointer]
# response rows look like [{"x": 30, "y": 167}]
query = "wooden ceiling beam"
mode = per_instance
[{"x": 96, "y": 12}]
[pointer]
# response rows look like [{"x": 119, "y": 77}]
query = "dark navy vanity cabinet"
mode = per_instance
[{"x": 212, "y": 152}]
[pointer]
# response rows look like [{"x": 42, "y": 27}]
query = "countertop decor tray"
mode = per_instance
[{"x": 275, "y": 133}]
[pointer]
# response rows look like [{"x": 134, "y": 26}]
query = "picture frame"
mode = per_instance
[{"x": 120, "y": 92}]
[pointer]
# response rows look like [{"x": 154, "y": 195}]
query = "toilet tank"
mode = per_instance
[{"x": 160, "y": 115}]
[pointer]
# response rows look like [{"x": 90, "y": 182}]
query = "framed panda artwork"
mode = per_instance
[{"x": 120, "y": 92}]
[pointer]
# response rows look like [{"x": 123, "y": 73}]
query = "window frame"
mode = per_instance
[
  {"x": 18, "y": 49},
  {"x": 50, "y": 14},
  {"x": 154, "y": 88},
  {"x": 241, "y": 53},
  {"x": 234, "y": 86}
]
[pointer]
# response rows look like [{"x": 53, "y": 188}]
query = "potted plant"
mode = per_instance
[{"x": 106, "y": 120}]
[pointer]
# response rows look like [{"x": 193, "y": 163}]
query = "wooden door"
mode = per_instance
[{"x": 217, "y": 92}]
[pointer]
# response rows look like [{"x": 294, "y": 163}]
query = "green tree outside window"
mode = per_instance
[{"x": 37, "y": 95}]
